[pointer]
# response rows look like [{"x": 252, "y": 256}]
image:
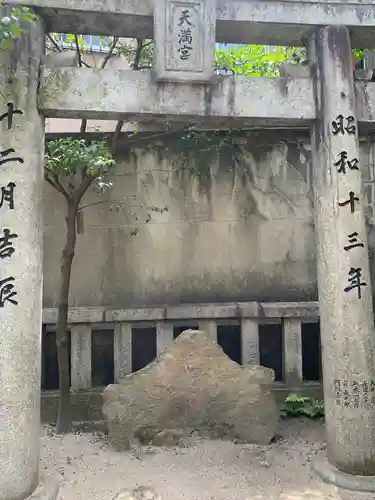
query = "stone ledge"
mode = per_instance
[
  {"x": 105, "y": 94},
  {"x": 229, "y": 310},
  {"x": 202, "y": 311},
  {"x": 307, "y": 310},
  {"x": 142, "y": 314},
  {"x": 330, "y": 475},
  {"x": 271, "y": 23},
  {"x": 76, "y": 315},
  {"x": 47, "y": 490}
]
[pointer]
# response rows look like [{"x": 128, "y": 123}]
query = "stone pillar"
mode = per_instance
[
  {"x": 122, "y": 354},
  {"x": 21, "y": 237},
  {"x": 81, "y": 357},
  {"x": 209, "y": 326},
  {"x": 292, "y": 336},
  {"x": 250, "y": 341},
  {"x": 164, "y": 337},
  {"x": 345, "y": 297}
]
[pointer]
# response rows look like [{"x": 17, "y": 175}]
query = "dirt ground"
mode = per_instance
[{"x": 199, "y": 469}]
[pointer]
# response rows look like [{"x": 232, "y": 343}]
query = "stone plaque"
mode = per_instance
[{"x": 184, "y": 34}]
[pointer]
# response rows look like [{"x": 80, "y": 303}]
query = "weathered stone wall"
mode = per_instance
[{"x": 239, "y": 230}]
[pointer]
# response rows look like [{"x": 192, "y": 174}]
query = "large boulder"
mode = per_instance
[
  {"x": 140, "y": 493},
  {"x": 192, "y": 385}
]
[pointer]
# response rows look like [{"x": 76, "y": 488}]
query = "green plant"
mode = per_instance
[
  {"x": 257, "y": 60},
  {"x": 13, "y": 24},
  {"x": 71, "y": 167},
  {"x": 301, "y": 406}
]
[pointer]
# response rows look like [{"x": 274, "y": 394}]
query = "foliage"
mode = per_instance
[
  {"x": 138, "y": 53},
  {"x": 56, "y": 42},
  {"x": 71, "y": 167},
  {"x": 248, "y": 60},
  {"x": 68, "y": 161},
  {"x": 13, "y": 25},
  {"x": 68, "y": 157},
  {"x": 302, "y": 406},
  {"x": 257, "y": 60}
]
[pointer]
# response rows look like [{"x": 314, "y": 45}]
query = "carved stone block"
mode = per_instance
[{"x": 184, "y": 34}]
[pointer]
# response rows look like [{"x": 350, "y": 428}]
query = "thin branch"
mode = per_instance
[
  {"x": 138, "y": 53},
  {"x": 110, "y": 52},
  {"x": 54, "y": 43},
  {"x": 80, "y": 64},
  {"x": 139, "y": 140},
  {"x": 53, "y": 183},
  {"x": 58, "y": 183},
  {"x": 82, "y": 188},
  {"x": 83, "y": 126},
  {"x": 116, "y": 134},
  {"x": 137, "y": 58},
  {"x": 95, "y": 203},
  {"x": 78, "y": 51}
]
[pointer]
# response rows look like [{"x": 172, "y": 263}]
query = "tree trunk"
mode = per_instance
[{"x": 64, "y": 419}]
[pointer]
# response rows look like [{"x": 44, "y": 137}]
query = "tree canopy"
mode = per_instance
[{"x": 12, "y": 25}]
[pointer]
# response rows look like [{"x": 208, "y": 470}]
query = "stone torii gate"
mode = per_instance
[{"x": 183, "y": 89}]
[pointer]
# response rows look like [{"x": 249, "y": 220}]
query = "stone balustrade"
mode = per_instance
[{"x": 246, "y": 316}]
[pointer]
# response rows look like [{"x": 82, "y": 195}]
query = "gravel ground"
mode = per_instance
[{"x": 199, "y": 469}]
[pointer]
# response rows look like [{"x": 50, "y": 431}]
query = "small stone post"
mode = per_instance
[
  {"x": 345, "y": 296},
  {"x": 122, "y": 350},
  {"x": 21, "y": 236},
  {"x": 81, "y": 357}
]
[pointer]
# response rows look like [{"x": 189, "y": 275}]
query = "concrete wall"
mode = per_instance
[
  {"x": 242, "y": 231},
  {"x": 72, "y": 126}
]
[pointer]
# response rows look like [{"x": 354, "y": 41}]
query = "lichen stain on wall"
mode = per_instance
[{"x": 241, "y": 230}]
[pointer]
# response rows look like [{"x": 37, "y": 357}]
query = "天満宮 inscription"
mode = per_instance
[{"x": 185, "y": 36}]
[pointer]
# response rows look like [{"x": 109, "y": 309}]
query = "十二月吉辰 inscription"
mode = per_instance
[
  {"x": 5, "y": 158},
  {"x": 9, "y": 114},
  {"x": 8, "y": 238},
  {"x": 6, "y": 243},
  {"x": 7, "y": 291}
]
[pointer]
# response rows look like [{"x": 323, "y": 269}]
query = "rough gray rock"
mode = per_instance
[
  {"x": 140, "y": 493},
  {"x": 192, "y": 385}
]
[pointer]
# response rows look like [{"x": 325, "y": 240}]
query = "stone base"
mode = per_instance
[
  {"x": 329, "y": 474},
  {"x": 47, "y": 490}
]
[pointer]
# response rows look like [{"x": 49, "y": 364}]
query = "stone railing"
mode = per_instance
[{"x": 248, "y": 316}]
